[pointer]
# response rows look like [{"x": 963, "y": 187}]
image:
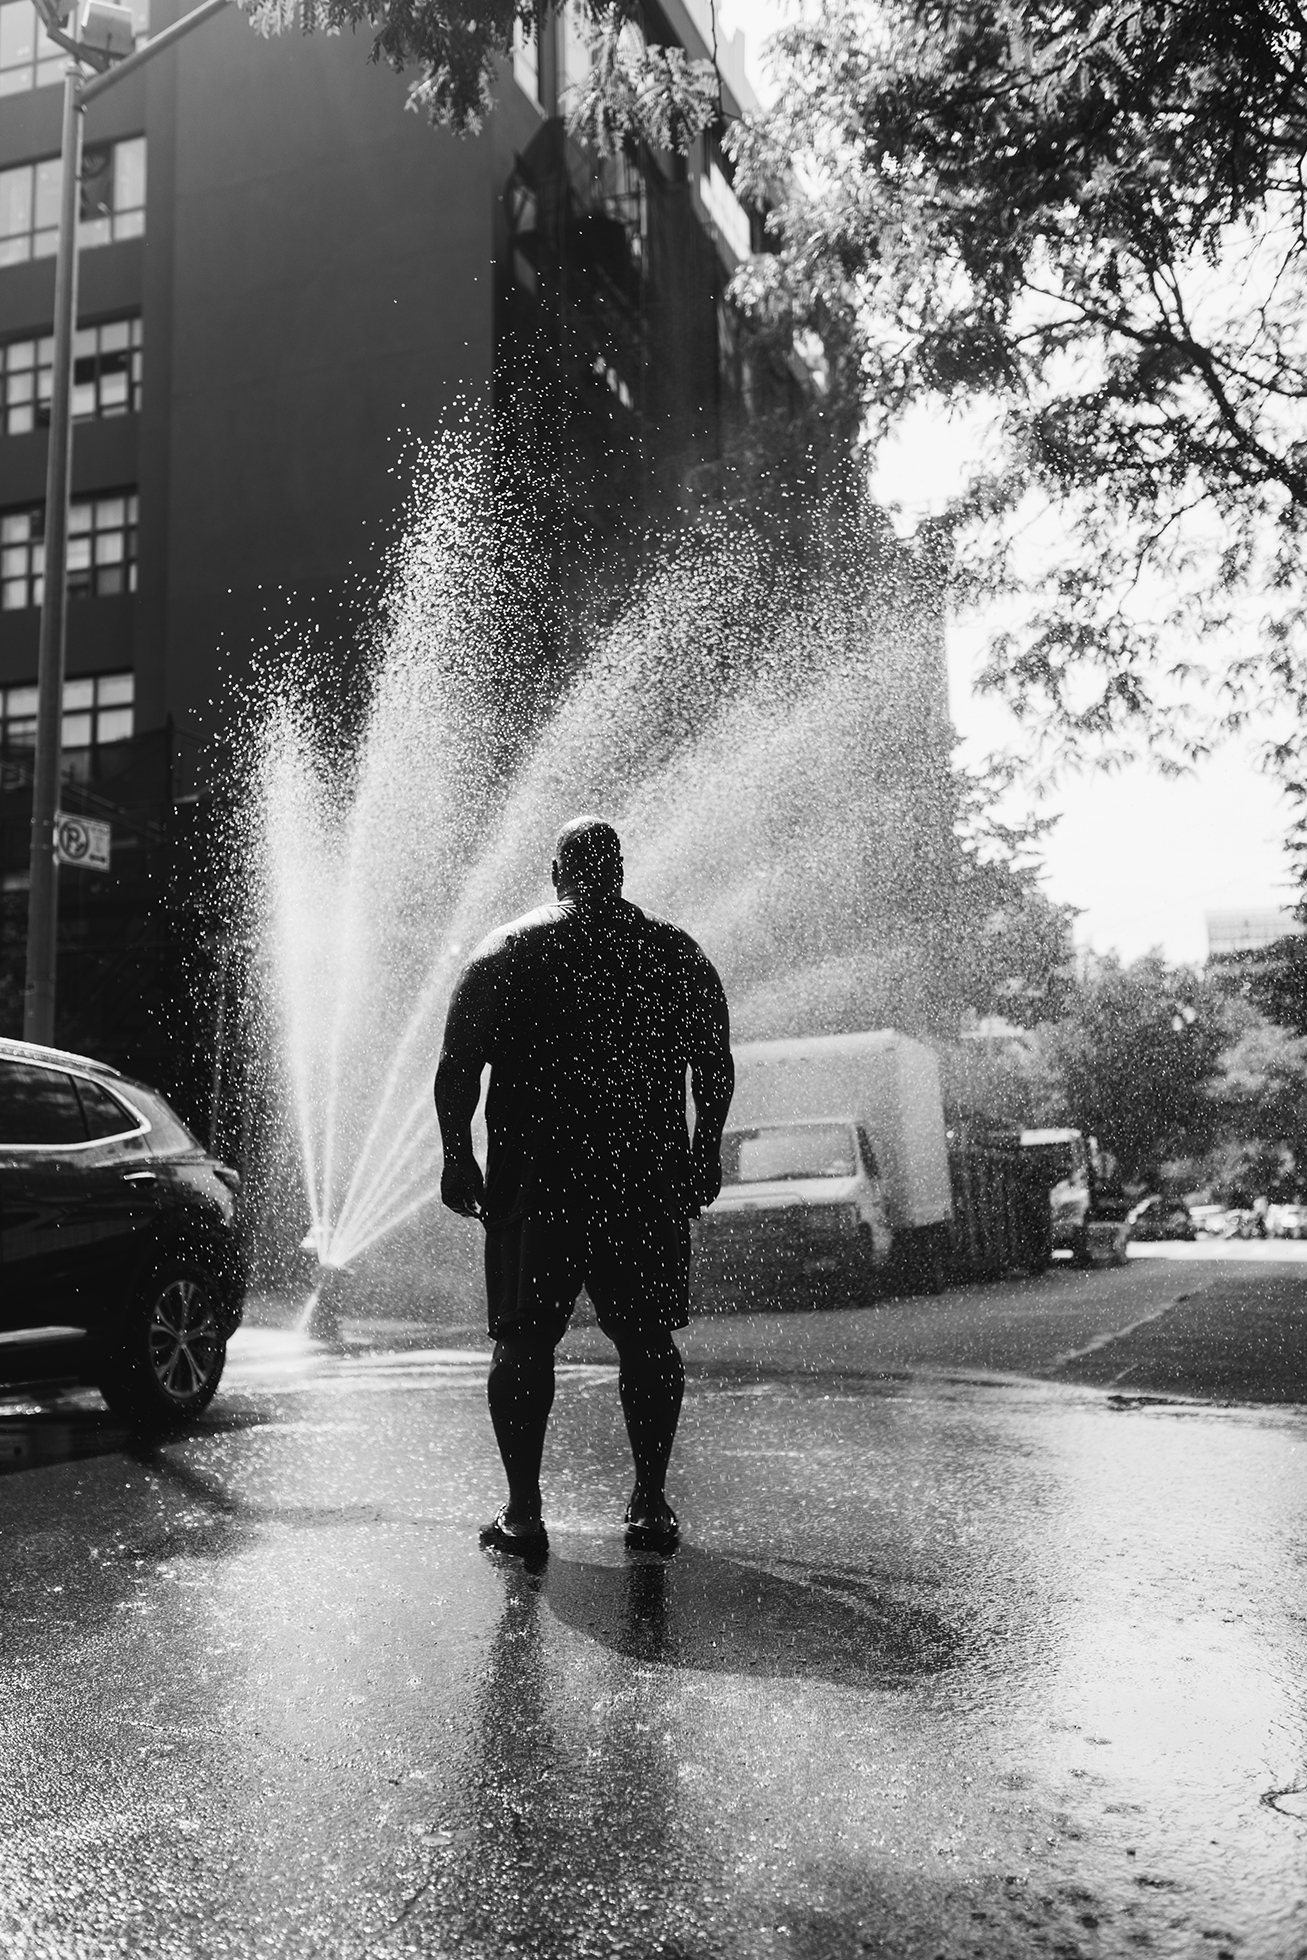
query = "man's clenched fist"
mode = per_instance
[
  {"x": 462, "y": 1187},
  {"x": 705, "y": 1173}
]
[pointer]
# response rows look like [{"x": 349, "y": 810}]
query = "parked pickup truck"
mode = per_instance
[{"x": 835, "y": 1175}]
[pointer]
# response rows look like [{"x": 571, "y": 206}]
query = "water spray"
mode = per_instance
[
  {"x": 321, "y": 1315},
  {"x": 764, "y": 741}
]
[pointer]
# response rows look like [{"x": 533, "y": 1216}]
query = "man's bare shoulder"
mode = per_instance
[
  {"x": 671, "y": 941},
  {"x": 507, "y": 940}
]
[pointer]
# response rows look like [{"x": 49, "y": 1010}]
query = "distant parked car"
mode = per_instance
[
  {"x": 1244, "y": 1223},
  {"x": 1209, "y": 1220},
  {"x": 1162, "y": 1218},
  {"x": 120, "y": 1263},
  {"x": 1287, "y": 1221}
]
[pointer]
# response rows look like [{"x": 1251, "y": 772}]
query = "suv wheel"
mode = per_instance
[{"x": 169, "y": 1356}]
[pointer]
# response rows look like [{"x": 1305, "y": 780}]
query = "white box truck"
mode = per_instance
[{"x": 835, "y": 1173}]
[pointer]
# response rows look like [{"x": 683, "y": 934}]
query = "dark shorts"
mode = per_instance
[{"x": 636, "y": 1271}]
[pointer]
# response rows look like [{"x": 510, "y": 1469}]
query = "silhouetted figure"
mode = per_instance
[{"x": 588, "y": 1013}]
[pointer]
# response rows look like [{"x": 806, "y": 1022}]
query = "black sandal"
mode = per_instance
[
  {"x": 648, "y": 1532},
  {"x": 522, "y": 1541}
]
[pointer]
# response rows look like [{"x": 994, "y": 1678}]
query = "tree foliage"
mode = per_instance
[
  {"x": 1276, "y": 982},
  {"x": 1094, "y": 218},
  {"x": 1133, "y": 1059},
  {"x": 1184, "y": 1081},
  {"x": 637, "y": 89},
  {"x": 1261, "y": 1089}
]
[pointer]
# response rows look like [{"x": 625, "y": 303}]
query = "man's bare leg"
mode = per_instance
[
  {"x": 651, "y": 1382},
  {"x": 520, "y": 1391}
]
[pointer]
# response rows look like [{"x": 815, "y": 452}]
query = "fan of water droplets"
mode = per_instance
[{"x": 770, "y": 758}]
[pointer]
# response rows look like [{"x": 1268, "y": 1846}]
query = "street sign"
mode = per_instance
[{"x": 80, "y": 840}]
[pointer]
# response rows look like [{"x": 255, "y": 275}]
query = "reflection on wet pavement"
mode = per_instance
[
  {"x": 719, "y": 1615},
  {"x": 941, "y": 1668},
  {"x": 36, "y": 1436}
]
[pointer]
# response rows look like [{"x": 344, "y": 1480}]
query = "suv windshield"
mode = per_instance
[{"x": 788, "y": 1150}]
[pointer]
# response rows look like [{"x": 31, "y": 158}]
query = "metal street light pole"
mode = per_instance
[{"x": 43, "y": 898}]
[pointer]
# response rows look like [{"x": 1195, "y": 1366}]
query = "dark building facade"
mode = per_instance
[{"x": 285, "y": 281}]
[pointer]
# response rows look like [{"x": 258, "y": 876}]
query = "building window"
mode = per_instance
[
  {"x": 102, "y": 545},
  {"x": 29, "y": 211},
  {"x": 22, "y": 558},
  {"x": 526, "y": 60},
  {"x": 574, "y": 56},
  {"x": 98, "y": 709},
  {"x": 523, "y": 219},
  {"x": 25, "y": 370},
  {"x": 106, "y": 376},
  {"x": 101, "y": 550},
  {"x": 28, "y": 57},
  {"x": 113, "y": 193},
  {"x": 725, "y": 209},
  {"x": 112, "y": 201},
  {"x": 107, "y": 363}
]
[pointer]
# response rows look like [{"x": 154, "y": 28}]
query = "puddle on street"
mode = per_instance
[{"x": 31, "y": 1437}]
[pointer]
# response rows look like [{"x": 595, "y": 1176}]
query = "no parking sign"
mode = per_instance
[{"x": 80, "y": 840}]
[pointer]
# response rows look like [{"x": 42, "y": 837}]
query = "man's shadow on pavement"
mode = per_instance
[{"x": 701, "y": 1611}]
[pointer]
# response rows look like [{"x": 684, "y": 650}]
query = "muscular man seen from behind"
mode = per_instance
[{"x": 588, "y": 1013}]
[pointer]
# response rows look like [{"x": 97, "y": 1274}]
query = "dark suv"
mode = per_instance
[{"x": 120, "y": 1262}]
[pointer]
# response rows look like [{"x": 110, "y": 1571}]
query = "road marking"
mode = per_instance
[{"x": 1101, "y": 1341}]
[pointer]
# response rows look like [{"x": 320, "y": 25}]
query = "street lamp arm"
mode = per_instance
[{"x": 155, "y": 45}]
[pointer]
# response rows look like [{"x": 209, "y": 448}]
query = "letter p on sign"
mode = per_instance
[{"x": 80, "y": 840}]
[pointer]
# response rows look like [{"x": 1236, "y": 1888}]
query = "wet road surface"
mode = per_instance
[{"x": 963, "y": 1655}]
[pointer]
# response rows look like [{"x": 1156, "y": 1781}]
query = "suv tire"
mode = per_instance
[{"x": 167, "y": 1359}]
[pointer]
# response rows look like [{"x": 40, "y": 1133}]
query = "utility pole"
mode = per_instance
[{"x": 107, "y": 47}]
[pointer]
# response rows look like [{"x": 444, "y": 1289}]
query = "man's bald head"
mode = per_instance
[{"x": 587, "y": 859}]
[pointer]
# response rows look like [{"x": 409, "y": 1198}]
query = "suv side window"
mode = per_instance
[
  {"x": 38, "y": 1105},
  {"x": 105, "y": 1115},
  {"x": 169, "y": 1136}
]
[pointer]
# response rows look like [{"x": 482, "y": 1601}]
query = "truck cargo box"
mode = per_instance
[{"x": 886, "y": 1081}]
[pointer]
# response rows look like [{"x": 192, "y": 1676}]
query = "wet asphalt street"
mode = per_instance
[{"x": 988, "y": 1637}]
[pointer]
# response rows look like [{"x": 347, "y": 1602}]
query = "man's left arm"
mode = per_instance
[{"x": 712, "y": 1078}]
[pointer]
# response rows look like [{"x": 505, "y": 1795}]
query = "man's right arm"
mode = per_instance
[{"x": 458, "y": 1090}]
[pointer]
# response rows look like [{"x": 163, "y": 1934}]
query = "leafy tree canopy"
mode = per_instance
[
  {"x": 1259, "y": 1098},
  {"x": 1132, "y": 1061},
  {"x": 1262, "y": 1084},
  {"x": 1276, "y": 982},
  {"x": 635, "y": 88},
  {"x": 1091, "y": 214},
  {"x": 1185, "y": 1082}
]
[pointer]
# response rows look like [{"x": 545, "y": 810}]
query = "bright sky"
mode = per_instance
[{"x": 1142, "y": 856}]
